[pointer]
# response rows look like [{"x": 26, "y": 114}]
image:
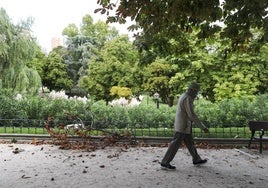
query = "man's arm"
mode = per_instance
[{"x": 189, "y": 107}]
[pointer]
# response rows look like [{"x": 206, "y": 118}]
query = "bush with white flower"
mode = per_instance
[
  {"x": 18, "y": 97},
  {"x": 62, "y": 95},
  {"x": 126, "y": 103},
  {"x": 58, "y": 95},
  {"x": 82, "y": 99}
]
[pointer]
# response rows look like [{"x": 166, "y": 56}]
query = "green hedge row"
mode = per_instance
[
  {"x": 233, "y": 112},
  {"x": 227, "y": 113}
]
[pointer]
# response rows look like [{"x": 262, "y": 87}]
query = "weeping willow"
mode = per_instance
[{"x": 17, "y": 47}]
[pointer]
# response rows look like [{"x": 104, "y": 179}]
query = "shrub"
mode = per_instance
[
  {"x": 259, "y": 108},
  {"x": 9, "y": 107},
  {"x": 226, "y": 113},
  {"x": 233, "y": 112}
]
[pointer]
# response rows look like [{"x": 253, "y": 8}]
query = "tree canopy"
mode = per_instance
[
  {"x": 115, "y": 66},
  {"x": 100, "y": 62},
  {"x": 234, "y": 19},
  {"x": 55, "y": 75},
  {"x": 17, "y": 49},
  {"x": 83, "y": 44}
]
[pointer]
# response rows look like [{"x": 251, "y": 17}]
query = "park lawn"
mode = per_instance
[
  {"x": 22, "y": 130},
  {"x": 230, "y": 132}
]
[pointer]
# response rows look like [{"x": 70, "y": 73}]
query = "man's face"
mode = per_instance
[{"x": 195, "y": 92}]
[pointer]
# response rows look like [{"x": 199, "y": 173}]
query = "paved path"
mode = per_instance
[{"x": 31, "y": 166}]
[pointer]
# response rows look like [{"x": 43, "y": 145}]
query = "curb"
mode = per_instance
[{"x": 146, "y": 140}]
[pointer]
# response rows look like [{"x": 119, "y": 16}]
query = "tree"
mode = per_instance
[
  {"x": 261, "y": 71},
  {"x": 118, "y": 92},
  {"x": 79, "y": 50},
  {"x": 99, "y": 32},
  {"x": 157, "y": 77},
  {"x": 113, "y": 67},
  {"x": 227, "y": 73},
  {"x": 17, "y": 50},
  {"x": 223, "y": 73},
  {"x": 55, "y": 75},
  {"x": 70, "y": 31},
  {"x": 120, "y": 49},
  {"x": 38, "y": 62},
  {"x": 170, "y": 18},
  {"x": 83, "y": 44}
]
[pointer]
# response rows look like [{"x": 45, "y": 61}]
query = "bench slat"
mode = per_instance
[{"x": 258, "y": 125}]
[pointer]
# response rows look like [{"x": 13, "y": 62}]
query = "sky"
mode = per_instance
[{"x": 52, "y": 16}]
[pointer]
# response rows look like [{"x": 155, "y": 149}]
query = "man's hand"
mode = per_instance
[{"x": 206, "y": 130}]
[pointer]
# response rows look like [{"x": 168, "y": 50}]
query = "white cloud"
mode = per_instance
[{"x": 52, "y": 16}]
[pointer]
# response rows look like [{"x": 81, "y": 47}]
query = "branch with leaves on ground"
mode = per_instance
[{"x": 79, "y": 136}]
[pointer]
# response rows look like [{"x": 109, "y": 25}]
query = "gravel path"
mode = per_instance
[{"x": 32, "y": 166}]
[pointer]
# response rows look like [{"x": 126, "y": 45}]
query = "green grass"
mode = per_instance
[
  {"x": 227, "y": 132},
  {"x": 22, "y": 130},
  {"x": 232, "y": 132}
]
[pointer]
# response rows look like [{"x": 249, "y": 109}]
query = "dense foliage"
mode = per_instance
[
  {"x": 96, "y": 61},
  {"x": 17, "y": 49},
  {"x": 229, "y": 112},
  {"x": 234, "y": 19}
]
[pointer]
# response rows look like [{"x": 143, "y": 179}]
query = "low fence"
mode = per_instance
[
  {"x": 29, "y": 129},
  {"x": 31, "y": 126}
]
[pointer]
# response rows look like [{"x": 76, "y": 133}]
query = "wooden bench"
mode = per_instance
[{"x": 260, "y": 126}]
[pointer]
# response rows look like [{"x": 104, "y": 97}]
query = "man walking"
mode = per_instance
[{"x": 185, "y": 115}]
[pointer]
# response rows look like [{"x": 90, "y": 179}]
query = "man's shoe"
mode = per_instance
[
  {"x": 200, "y": 162},
  {"x": 167, "y": 167}
]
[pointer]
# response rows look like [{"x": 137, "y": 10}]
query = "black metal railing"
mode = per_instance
[{"x": 32, "y": 126}]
